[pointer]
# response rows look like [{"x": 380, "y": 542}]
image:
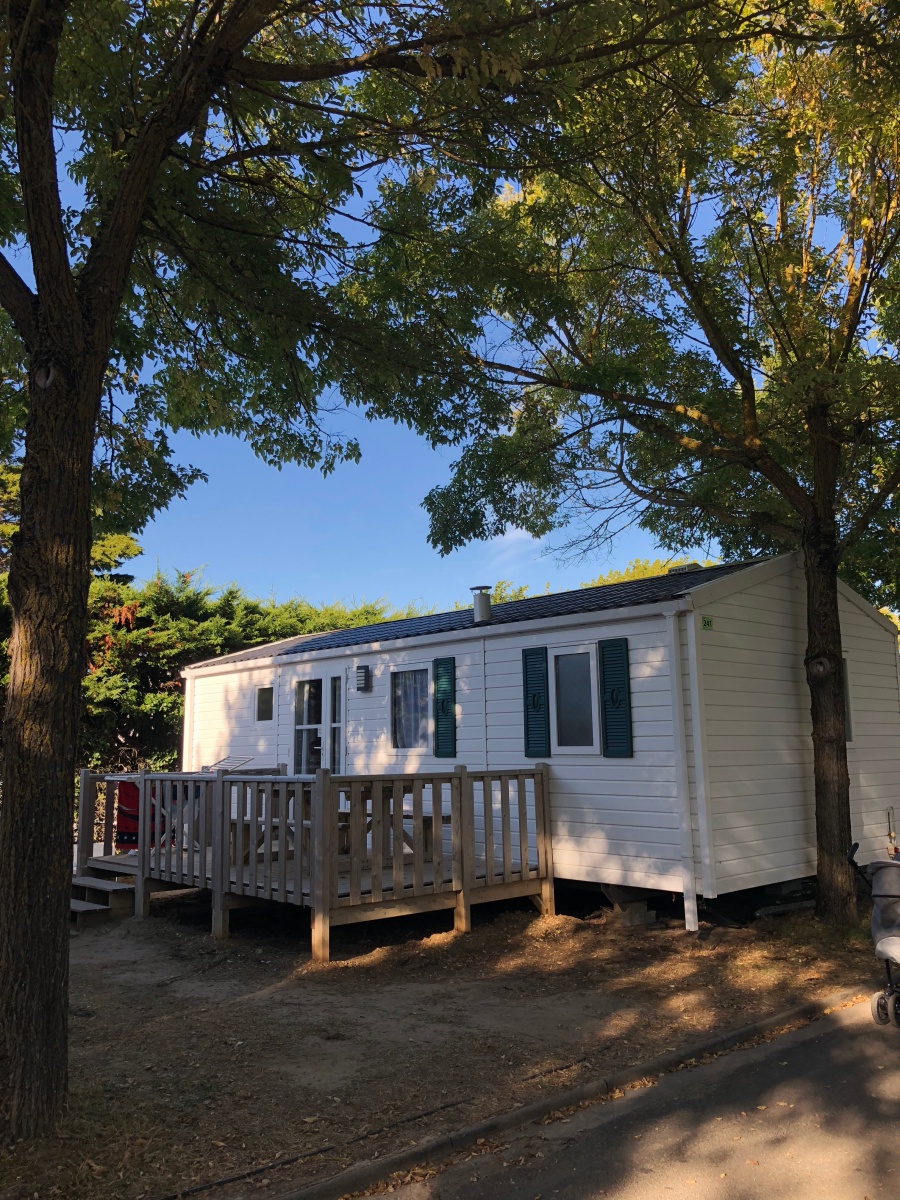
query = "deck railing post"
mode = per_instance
[
  {"x": 544, "y": 837},
  {"x": 142, "y": 879},
  {"x": 220, "y": 865},
  {"x": 87, "y": 799},
  {"x": 109, "y": 816},
  {"x": 322, "y": 864},
  {"x": 463, "y": 847}
]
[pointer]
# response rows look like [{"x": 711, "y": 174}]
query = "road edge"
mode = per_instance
[{"x": 364, "y": 1174}]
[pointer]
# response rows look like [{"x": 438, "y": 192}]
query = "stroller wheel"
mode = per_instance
[
  {"x": 881, "y": 1010},
  {"x": 893, "y": 1007}
]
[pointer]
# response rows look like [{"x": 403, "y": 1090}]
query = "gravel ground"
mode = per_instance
[{"x": 192, "y": 1063}]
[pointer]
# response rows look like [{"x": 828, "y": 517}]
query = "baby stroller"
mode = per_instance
[{"x": 883, "y": 877}]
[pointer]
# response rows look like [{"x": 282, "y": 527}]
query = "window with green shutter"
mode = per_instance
[
  {"x": 536, "y": 697},
  {"x": 445, "y": 708},
  {"x": 615, "y": 698}
]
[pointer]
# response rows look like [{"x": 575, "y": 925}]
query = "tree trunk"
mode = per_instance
[
  {"x": 48, "y": 587},
  {"x": 836, "y": 898}
]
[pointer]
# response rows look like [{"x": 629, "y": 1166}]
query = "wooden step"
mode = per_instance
[
  {"x": 107, "y": 893},
  {"x": 86, "y": 912},
  {"x": 100, "y": 883},
  {"x": 113, "y": 864}
]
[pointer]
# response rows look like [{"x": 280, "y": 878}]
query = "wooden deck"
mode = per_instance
[
  {"x": 243, "y": 883},
  {"x": 348, "y": 848}
]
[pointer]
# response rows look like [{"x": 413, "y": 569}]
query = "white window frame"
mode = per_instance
[
  {"x": 328, "y": 728},
  {"x": 273, "y": 720},
  {"x": 553, "y": 652},
  {"x": 397, "y": 669}
]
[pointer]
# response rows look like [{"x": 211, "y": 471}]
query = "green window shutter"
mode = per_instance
[
  {"x": 445, "y": 708},
  {"x": 536, "y": 696},
  {"x": 615, "y": 698}
]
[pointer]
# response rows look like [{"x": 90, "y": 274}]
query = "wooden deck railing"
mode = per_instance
[
  {"x": 350, "y": 848},
  {"x": 90, "y": 821},
  {"x": 387, "y": 845}
]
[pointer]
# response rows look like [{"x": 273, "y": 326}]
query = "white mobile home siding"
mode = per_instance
[
  {"x": 758, "y": 732},
  {"x": 224, "y": 718},
  {"x": 874, "y": 752},
  {"x": 367, "y": 715},
  {"x": 614, "y": 820}
]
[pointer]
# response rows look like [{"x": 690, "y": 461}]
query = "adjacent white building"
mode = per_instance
[{"x": 673, "y": 713}]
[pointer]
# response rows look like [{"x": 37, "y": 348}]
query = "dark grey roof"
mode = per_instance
[
  {"x": 266, "y": 650},
  {"x": 558, "y": 604}
]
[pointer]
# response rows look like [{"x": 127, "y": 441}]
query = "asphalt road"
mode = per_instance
[{"x": 812, "y": 1115}]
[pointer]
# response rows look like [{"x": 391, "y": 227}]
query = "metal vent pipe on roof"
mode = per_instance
[{"x": 481, "y": 596}]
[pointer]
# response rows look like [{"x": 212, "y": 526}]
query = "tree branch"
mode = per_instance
[
  {"x": 35, "y": 30},
  {"x": 751, "y": 456},
  {"x": 402, "y": 56},
  {"x": 677, "y": 499},
  {"x": 871, "y": 510},
  {"x": 20, "y": 302},
  {"x": 205, "y": 65}
]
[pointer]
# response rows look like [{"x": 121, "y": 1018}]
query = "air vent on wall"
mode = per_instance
[{"x": 364, "y": 679}]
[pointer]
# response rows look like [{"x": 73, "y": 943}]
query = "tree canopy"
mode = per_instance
[
  {"x": 668, "y": 320},
  {"x": 241, "y": 303},
  {"x": 697, "y": 330}
]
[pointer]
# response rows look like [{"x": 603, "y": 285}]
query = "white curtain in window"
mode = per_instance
[{"x": 410, "y": 709}]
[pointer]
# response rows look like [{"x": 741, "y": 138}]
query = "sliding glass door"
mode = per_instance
[
  {"x": 319, "y": 733},
  {"x": 308, "y": 727}
]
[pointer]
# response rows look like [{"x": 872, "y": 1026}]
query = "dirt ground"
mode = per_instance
[{"x": 193, "y": 1063}]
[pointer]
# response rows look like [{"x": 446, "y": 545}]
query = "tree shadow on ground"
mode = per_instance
[{"x": 194, "y": 1060}]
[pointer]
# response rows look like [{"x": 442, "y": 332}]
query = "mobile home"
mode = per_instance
[{"x": 673, "y": 714}]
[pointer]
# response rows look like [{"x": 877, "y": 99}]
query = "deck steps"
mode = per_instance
[{"x": 96, "y": 892}]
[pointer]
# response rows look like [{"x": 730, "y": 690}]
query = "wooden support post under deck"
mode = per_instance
[
  {"x": 322, "y": 865},
  {"x": 546, "y": 902},
  {"x": 463, "y": 847},
  {"x": 220, "y": 919},
  {"x": 221, "y": 866}
]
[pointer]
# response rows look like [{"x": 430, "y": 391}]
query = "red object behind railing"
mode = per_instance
[{"x": 127, "y": 817}]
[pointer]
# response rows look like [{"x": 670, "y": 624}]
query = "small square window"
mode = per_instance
[
  {"x": 409, "y": 709},
  {"x": 265, "y": 704}
]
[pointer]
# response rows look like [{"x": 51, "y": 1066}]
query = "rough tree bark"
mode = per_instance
[
  {"x": 824, "y": 661},
  {"x": 836, "y": 896},
  {"x": 48, "y": 587}
]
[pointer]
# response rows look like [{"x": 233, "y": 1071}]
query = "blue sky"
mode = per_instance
[{"x": 359, "y": 534}]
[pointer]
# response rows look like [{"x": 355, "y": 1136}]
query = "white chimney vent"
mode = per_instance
[
  {"x": 481, "y": 595},
  {"x": 683, "y": 568}
]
